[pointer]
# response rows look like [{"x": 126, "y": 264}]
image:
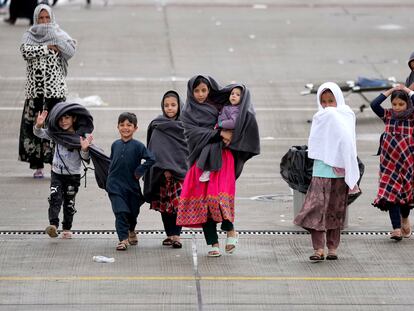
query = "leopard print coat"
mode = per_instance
[{"x": 45, "y": 72}]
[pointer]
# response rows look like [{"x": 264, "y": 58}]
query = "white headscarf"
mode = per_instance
[
  {"x": 50, "y": 34},
  {"x": 332, "y": 136}
]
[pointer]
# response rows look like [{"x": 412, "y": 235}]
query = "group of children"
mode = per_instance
[
  {"x": 194, "y": 186},
  {"x": 163, "y": 164}
]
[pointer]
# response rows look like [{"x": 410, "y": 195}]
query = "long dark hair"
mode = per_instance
[
  {"x": 403, "y": 115},
  {"x": 213, "y": 97},
  {"x": 199, "y": 80}
]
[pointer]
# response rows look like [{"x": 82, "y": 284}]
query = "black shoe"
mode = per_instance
[{"x": 177, "y": 244}]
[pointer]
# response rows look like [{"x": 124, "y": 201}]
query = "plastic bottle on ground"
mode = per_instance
[{"x": 103, "y": 259}]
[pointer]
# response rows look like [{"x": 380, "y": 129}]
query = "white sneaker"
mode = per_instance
[{"x": 205, "y": 176}]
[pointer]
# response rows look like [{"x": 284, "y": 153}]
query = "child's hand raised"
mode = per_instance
[
  {"x": 86, "y": 142},
  {"x": 41, "y": 118}
]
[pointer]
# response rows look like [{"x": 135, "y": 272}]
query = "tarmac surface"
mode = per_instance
[{"x": 129, "y": 53}]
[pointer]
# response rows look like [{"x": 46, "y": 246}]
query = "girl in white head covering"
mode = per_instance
[{"x": 332, "y": 145}]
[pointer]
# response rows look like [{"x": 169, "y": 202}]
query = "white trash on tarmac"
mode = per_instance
[{"x": 103, "y": 259}]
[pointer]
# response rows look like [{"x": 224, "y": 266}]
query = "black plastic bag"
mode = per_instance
[{"x": 296, "y": 170}]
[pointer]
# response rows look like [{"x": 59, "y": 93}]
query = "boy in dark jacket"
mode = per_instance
[{"x": 122, "y": 184}]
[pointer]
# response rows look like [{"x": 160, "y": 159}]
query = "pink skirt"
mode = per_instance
[{"x": 200, "y": 201}]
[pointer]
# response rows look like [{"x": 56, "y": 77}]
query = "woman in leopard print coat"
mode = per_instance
[{"x": 46, "y": 48}]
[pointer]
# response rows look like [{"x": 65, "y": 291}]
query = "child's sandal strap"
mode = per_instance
[
  {"x": 214, "y": 252},
  {"x": 122, "y": 246}
]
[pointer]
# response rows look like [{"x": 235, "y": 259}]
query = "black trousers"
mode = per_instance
[
  {"x": 126, "y": 209},
  {"x": 124, "y": 222},
  {"x": 170, "y": 224},
  {"x": 33, "y": 149},
  {"x": 397, "y": 211},
  {"x": 210, "y": 230},
  {"x": 63, "y": 190}
]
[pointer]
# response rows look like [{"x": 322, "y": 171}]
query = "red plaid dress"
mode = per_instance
[
  {"x": 396, "y": 178},
  {"x": 169, "y": 197}
]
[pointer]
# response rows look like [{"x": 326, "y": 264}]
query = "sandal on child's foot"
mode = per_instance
[
  {"x": 396, "y": 235},
  {"x": 122, "y": 246},
  {"x": 38, "y": 174},
  {"x": 317, "y": 256},
  {"x": 215, "y": 252},
  {"x": 66, "y": 234},
  {"x": 177, "y": 244},
  {"x": 167, "y": 242},
  {"x": 132, "y": 238},
  {"x": 332, "y": 255},
  {"x": 51, "y": 231},
  {"x": 231, "y": 243}
]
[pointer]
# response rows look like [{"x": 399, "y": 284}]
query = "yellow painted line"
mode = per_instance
[{"x": 203, "y": 278}]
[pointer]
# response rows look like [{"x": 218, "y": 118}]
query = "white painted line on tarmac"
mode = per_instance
[
  {"x": 204, "y": 278},
  {"x": 259, "y": 6},
  {"x": 196, "y": 273}
]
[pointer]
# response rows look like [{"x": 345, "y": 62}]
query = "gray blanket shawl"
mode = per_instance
[
  {"x": 245, "y": 142},
  {"x": 84, "y": 125},
  {"x": 204, "y": 141},
  {"x": 50, "y": 34},
  {"x": 166, "y": 141}
]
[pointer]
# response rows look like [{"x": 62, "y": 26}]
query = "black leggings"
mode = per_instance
[
  {"x": 397, "y": 211},
  {"x": 210, "y": 230},
  {"x": 169, "y": 220}
]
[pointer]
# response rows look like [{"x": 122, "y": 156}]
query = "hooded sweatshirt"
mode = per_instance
[{"x": 410, "y": 78}]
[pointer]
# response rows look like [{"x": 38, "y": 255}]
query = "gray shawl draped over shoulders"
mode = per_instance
[
  {"x": 50, "y": 34},
  {"x": 84, "y": 125},
  {"x": 166, "y": 141},
  {"x": 204, "y": 141}
]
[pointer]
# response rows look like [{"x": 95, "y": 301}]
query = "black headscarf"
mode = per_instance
[
  {"x": 165, "y": 139},
  {"x": 83, "y": 125},
  {"x": 204, "y": 141}
]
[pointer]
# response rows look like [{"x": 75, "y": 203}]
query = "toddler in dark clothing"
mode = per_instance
[
  {"x": 122, "y": 184},
  {"x": 227, "y": 119}
]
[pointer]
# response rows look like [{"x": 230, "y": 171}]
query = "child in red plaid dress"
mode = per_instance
[{"x": 396, "y": 176}]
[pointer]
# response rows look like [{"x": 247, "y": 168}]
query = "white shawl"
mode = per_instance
[{"x": 332, "y": 136}]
